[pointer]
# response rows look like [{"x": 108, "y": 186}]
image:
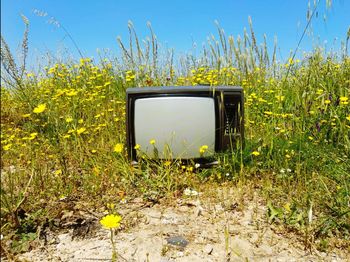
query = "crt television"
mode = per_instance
[{"x": 183, "y": 122}]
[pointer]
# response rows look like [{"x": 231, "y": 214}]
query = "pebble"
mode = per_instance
[{"x": 177, "y": 241}]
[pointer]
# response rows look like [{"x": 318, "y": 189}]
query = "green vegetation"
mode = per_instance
[{"x": 63, "y": 131}]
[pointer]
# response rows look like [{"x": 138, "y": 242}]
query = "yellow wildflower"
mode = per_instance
[
  {"x": 137, "y": 147},
  {"x": 39, "y": 109},
  {"x": 72, "y": 93},
  {"x": 26, "y": 115},
  {"x": 7, "y": 147},
  {"x": 58, "y": 172},
  {"x": 344, "y": 100},
  {"x": 81, "y": 130},
  {"x": 189, "y": 168},
  {"x": 152, "y": 141},
  {"x": 255, "y": 153},
  {"x": 268, "y": 113},
  {"x": 348, "y": 117},
  {"x": 280, "y": 98},
  {"x": 33, "y": 136},
  {"x": 203, "y": 148},
  {"x": 69, "y": 119},
  {"x": 118, "y": 148},
  {"x": 319, "y": 91},
  {"x": 111, "y": 221}
]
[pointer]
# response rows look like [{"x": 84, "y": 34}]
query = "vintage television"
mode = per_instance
[{"x": 183, "y": 122}]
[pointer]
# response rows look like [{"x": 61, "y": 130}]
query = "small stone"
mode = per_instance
[
  {"x": 208, "y": 249},
  {"x": 177, "y": 241}
]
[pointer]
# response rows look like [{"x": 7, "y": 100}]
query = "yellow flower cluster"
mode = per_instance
[
  {"x": 203, "y": 149},
  {"x": 111, "y": 221},
  {"x": 344, "y": 100},
  {"x": 39, "y": 109},
  {"x": 118, "y": 148},
  {"x": 81, "y": 106},
  {"x": 130, "y": 76}
]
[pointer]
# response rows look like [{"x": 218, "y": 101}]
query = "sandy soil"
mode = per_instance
[{"x": 224, "y": 229}]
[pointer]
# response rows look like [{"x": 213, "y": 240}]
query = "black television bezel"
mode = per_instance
[{"x": 217, "y": 92}]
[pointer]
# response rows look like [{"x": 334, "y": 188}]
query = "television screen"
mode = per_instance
[{"x": 179, "y": 125}]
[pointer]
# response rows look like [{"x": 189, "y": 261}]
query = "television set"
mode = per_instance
[{"x": 183, "y": 122}]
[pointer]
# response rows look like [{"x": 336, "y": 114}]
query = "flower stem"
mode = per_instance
[{"x": 114, "y": 252}]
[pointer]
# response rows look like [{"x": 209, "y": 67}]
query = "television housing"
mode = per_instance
[{"x": 183, "y": 122}]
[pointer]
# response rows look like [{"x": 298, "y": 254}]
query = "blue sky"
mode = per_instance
[{"x": 177, "y": 24}]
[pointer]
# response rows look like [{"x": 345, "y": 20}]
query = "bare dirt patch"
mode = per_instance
[{"x": 221, "y": 228}]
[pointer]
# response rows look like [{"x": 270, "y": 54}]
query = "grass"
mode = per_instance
[{"x": 63, "y": 131}]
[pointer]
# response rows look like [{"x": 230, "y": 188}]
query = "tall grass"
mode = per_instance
[{"x": 60, "y": 128}]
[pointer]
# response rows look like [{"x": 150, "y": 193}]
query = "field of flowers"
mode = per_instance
[{"x": 63, "y": 135}]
